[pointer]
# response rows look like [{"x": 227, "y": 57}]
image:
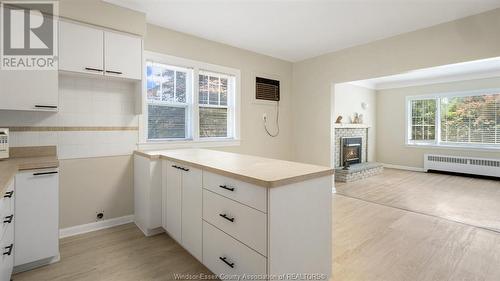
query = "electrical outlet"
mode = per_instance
[
  {"x": 99, "y": 215},
  {"x": 264, "y": 116}
]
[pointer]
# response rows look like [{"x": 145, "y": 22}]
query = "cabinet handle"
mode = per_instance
[
  {"x": 226, "y": 188},
  {"x": 45, "y": 173},
  {"x": 8, "y": 194},
  {"x": 93, "y": 69},
  {"x": 226, "y": 217},
  {"x": 180, "y": 168},
  {"x": 8, "y": 219},
  {"x": 114, "y": 72},
  {"x": 45, "y": 106},
  {"x": 8, "y": 249},
  {"x": 224, "y": 259}
]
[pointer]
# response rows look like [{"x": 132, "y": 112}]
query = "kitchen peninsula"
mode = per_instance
[{"x": 239, "y": 215}]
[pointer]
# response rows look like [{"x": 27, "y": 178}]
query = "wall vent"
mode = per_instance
[
  {"x": 466, "y": 165},
  {"x": 267, "y": 89}
]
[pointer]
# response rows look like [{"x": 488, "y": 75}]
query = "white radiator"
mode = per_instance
[{"x": 466, "y": 165}]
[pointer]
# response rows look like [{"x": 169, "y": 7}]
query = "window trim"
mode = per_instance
[
  {"x": 194, "y": 139},
  {"x": 437, "y": 143}
]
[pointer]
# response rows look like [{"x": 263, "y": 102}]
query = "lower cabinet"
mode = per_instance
[
  {"x": 183, "y": 206},
  {"x": 223, "y": 254},
  {"x": 7, "y": 217},
  {"x": 37, "y": 216},
  {"x": 242, "y": 231}
]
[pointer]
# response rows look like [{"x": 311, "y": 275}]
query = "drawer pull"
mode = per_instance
[
  {"x": 45, "y": 173},
  {"x": 226, "y": 217},
  {"x": 224, "y": 259},
  {"x": 93, "y": 69},
  {"x": 114, "y": 72},
  {"x": 8, "y": 219},
  {"x": 45, "y": 106},
  {"x": 180, "y": 168},
  {"x": 226, "y": 188},
  {"x": 8, "y": 250},
  {"x": 8, "y": 194}
]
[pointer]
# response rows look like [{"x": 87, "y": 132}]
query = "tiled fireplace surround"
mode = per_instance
[
  {"x": 350, "y": 132},
  {"x": 357, "y": 171}
]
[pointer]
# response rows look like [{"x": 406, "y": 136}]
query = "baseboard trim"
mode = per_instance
[
  {"x": 400, "y": 167},
  {"x": 35, "y": 264},
  {"x": 89, "y": 227}
]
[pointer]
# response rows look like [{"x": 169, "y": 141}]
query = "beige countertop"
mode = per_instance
[
  {"x": 26, "y": 158},
  {"x": 256, "y": 170}
]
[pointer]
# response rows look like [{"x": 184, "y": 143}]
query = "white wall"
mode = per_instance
[
  {"x": 391, "y": 123},
  {"x": 466, "y": 39},
  {"x": 347, "y": 101}
]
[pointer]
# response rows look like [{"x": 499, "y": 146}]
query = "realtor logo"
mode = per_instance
[{"x": 29, "y": 35}]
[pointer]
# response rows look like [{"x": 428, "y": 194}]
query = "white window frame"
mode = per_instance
[
  {"x": 437, "y": 143},
  {"x": 194, "y": 139}
]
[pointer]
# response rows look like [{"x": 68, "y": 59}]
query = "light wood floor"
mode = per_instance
[
  {"x": 463, "y": 199},
  {"x": 372, "y": 242}
]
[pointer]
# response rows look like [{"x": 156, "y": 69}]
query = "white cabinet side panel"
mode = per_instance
[{"x": 300, "y": 228}]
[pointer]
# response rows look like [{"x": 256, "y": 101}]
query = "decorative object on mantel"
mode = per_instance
[
  {"x": 339, "y": 120},
  {"x": 355, "y": 119}
]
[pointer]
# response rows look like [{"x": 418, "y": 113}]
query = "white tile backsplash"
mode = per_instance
[{"x": 87, "y": 102}]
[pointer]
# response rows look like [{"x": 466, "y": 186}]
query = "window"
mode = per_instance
[
  {"x": 190, "y": 101},
  {"x": 213, "y": 104},
  {"x": 168, "y": 101},
  {"x": 423, "y": 116},
  {"x": 463, "y": 119}
]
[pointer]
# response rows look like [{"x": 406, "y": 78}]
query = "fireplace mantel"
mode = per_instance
[{"x": 350, "y": 126}]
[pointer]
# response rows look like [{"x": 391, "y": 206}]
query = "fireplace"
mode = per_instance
[{"x": 350, "y": 151}]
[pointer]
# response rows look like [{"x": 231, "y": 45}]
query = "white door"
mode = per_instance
[
  {"x": 123, "y": 55},
  {"x": 37, "y": 216},
  {"x": 192, "y": 211},
  {"x": 174, "y": 197},
  {"x": 29, "y": 90},
  {"x": 81, "y": 48}
]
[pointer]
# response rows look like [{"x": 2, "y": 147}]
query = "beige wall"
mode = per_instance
[
  {"x": 391, "y": 123},
  {"x": 467, "y": 39},
  {"x": 92, "y": 185},
  {"x": 347, "y": 101},
  {"x": 254, "y": 139}
]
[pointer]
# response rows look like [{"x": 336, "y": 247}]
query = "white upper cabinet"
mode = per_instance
[
  {"x": 122, "y": 55},
  {"x": 81, "y": 48},
  {"x": 29, "y": 90},
  {"x": 86, "y": 49}
]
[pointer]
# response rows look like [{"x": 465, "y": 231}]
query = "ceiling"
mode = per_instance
[
  {"x": 478, "y": 69},
  {"x": 300, "y": 29}
]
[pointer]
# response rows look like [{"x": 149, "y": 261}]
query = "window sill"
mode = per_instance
[
  {"x": 172, "y": 144},
  {"x": 454, "y": 146}
]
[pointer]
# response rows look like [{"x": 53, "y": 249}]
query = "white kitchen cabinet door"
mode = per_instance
[
  {"x": 29, "y": 90},
  {"x": 174, "y": 197},
  {"x": 192, "y": 211},
  {"x": 123, "y": 55},
  {"x": 81, "y": 48},
  {"x": 37, "y": 216}
]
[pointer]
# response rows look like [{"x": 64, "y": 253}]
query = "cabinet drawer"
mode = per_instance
[
  {"x": 222, "y": 254},
  {"x": 6, "y": 225},
  {"x": 246, "y": 193},
  {"x": 7, "y": 254},
  {"x": 242, "y": 222},
  {"x": 7, "y": 201}
]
